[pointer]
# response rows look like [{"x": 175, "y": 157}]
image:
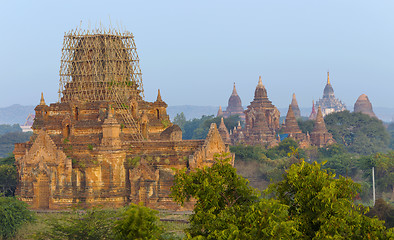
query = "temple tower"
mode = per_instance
[
  {"x": 363, "y": 105},
  {"x": 320, "y": 137},
  {"x": 294, "y": 106},
  {"x": 234, "y": 106},
  {"x": 329, "y": 103}
]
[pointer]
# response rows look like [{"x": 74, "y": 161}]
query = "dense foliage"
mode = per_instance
[
  {"x": 383, "y": 211},
  {"x": 8, "y": 176},
  {"x": 198, "y": 128},
  {"x": 89, "y": 225},
  {"x": 8, "y": 140},
  {"x": 13, "y": 214},
  {"x": 312, "y": 205},
  {"x": 138, "y": 222},
  {"x": 6, "y": 128},
  {"x": 322, "y": 206},
  {"x": 133, "y": 222},
  {"x": 358, "y": 132},
  {"x": 227, "y": 207}
]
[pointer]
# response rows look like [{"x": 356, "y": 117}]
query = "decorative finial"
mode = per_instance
[
  {"x": 328, "y": 78},
  {"x": 294, "y": 96},
  {"x": 42, "y": 101},
  {"x": 234, "y": 90},
  {"x": 260, "y": 82},
  {"x": 158, "y": 96}
]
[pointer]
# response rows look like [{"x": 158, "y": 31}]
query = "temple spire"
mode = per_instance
[
  {"x": 260, "y": 84},
  {"x": 234, "y": 90},
  {"x": 42, "y": 101},
  {"x": 158, "y": 96},
  {"x": 328, "y": 78}
]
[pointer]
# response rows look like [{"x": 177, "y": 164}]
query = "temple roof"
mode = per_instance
[
  {"x": 260, "y": 91},
  {"x": 295, "y": 107},
  {"x": 363, "y": 105},
  {"x": 291, "y": 125},
  {"x": 234, "y": 103}
]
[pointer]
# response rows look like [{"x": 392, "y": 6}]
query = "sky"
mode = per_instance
[{"x": 193, "y": 51}]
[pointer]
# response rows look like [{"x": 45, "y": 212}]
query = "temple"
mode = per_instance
[
  {"x": 262, "y": 124},
  {"x": 294, "y": 106},
  {"x": 363, "y": 105},
  {"x": 102, "y": 143},
  {"x": 313, "y": 114},
  {"x": 320, "y": 137},
  {"x": 329, "y": 103},
  {"x": 234, "y": 106},
  {"x": 261, "y": 120}
]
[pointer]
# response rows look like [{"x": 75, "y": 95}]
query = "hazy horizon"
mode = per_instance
[{"x": 194, "y": 51}]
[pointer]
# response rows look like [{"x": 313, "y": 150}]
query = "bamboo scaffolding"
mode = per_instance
[{"x": 101, "y": 65}]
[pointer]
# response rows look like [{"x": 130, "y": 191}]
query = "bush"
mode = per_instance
[
  {"x": 91, "y": 224},
  {"x": 138, "y": 222},
  {"x": 13, "y": 214}
]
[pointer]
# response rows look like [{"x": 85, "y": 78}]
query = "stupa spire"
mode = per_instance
[
  {"x": 328, "y": 78},
  {"x": 234, "y": 90},
  {"x": 260, "y": 84},
  {"x": 294, "y": 105},
  {"x": 42, "y": 101}
]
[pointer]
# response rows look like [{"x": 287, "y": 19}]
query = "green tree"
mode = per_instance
[
  {"x": 384, "y": 171},
  {"x": 91, "y": 224},
  {"x": 6, "y": 128},
  {"x": 138, "y": 222},
  {"x": 306, "y": 126},
  {"x": 180, "y": 120},
  {"x": 322, "y": 206},
  {"x": 8, "y": 140},
  {"x": 227, "y": 207},
  {"x": 8, "y": 180},
  {"x": 13, "y": 214},
  {"x": 384, "y": 211},
  {"x": 358, "y": 132},
  {"x": 390, "y": 129}
]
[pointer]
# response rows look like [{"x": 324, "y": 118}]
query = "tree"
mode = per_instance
[
  {"x": 180, "y": 120},
  {"x": 227, "y": 207},
  {"x": 13, "y": 214},
  {"x": 138, "y": 222},
  {"x": 358, "y": 132},
  {"x": 8, "y": 180},
  {"x": 91, "y": 224},
  {"x": 322, "y": 206},
  {"x": 306, "y": 125},
  {"x": 384, "y": 211}
]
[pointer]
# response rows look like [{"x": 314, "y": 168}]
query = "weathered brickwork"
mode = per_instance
[{"x": 85, "y": 152}]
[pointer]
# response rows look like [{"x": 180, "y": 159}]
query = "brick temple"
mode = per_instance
[{"x": 102, "y": 143}]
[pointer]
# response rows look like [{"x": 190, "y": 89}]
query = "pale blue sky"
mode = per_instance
[{"x": 194, "y": 50}]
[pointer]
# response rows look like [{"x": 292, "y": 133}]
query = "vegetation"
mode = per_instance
[
  {"x": 138, "y": 222},
  {"x": 198, "y": 128},
  {"x": 358, "y": 132},
  {"x": 7, "y": 128},
  {"x": 310, "y": 204},
  {"x": 13, "y": 215},
  {"x": 90, "y": 224},
  {"x": 8, "y": 140},
  {"x": 227, "y": 207},
  {"x": 8, "y": 176}
]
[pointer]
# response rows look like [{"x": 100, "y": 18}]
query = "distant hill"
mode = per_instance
[{"x": 15, "y": 114}]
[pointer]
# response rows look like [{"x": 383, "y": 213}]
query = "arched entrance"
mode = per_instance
[{"x": 43, "y": 192}]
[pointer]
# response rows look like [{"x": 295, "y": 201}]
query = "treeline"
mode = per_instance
[
  {"x": 9, "y": 135},
  {"x": 198, "y": 128}
]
